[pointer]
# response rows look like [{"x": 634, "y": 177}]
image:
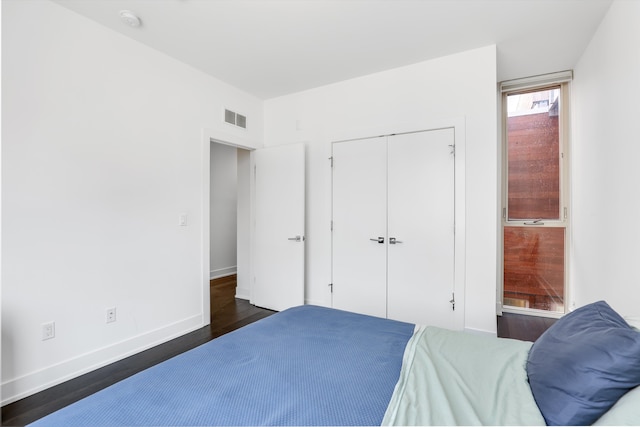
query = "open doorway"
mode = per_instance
[{"x": 228, "y": 225}]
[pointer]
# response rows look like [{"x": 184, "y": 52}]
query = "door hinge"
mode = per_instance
[
  {"x": 331, "y": 160},
  {"x": 331, "y": 286},
  {"x": 565, "y": 213},
  {"x": 453, "y": 149},
  {"x": 453, "y": 301},
  {"x": 331, "y": 225}
]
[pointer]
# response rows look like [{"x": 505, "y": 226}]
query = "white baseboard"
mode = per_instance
[
  {"x": 243, "y": 293},
  {"x": 35, "y": 382},
  {"x": 222, "y": 272}
]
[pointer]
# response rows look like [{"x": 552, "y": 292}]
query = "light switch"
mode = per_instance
[{"x": 182, "y": 220}]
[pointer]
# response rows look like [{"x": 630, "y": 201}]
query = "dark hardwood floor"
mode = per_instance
[{"x": 227, "y": 314}]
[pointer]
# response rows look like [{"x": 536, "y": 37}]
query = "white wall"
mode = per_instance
[
  {"x": 456, "y": 86},
  {"x": 606, "y": 131},
  {"x": 223, "y": 211},
  {"x": 101, "y": 152}
]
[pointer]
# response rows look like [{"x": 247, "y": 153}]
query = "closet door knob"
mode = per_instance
[
  {"x": 393, "y": 241},
  {"x": 379, "y": 240}
]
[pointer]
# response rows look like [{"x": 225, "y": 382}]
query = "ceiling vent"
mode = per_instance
[{"x": 235, "y": 119}]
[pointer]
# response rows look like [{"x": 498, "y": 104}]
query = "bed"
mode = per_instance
[{"x": 312, "y": 365}]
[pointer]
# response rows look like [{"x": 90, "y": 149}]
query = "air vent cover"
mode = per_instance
[
  {"x": 235, "y": 119},
  {"x": 241, "y": 121},
  {"x": 230, "y": 117}
]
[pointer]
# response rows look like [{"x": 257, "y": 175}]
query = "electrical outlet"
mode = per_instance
[
  {"x": 111, "y": 315},
  {"x": 48, "y": 330}
]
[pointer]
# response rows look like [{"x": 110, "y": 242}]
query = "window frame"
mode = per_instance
[{"x": 526, "y": 85}]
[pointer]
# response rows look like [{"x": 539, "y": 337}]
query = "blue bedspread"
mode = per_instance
[{"x": 304, "y": 366}]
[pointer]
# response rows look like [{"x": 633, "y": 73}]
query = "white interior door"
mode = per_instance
[
  {"x": 359, "y": 219},
  {"x": 279, "y": 227},
  {"x": 421, "y": 223}
]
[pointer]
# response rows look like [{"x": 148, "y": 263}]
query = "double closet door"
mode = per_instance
[{"x": 393, "y": 227}]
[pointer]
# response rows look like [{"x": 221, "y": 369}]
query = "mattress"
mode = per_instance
[{"x": 306, "y": 365}]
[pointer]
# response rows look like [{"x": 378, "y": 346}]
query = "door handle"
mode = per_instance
[
  {"x": 379, "y": 240},
  {"x": 297, "y": 238},
  {"x": 393, "y": 241}
]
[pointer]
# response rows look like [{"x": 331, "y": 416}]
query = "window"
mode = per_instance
[{"x": 535, "y": 214}]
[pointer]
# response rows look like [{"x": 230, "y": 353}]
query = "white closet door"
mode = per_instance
[
  {"x": 279, "y": 227},
  {"x": 421, "y": 219},
  {"x": 359, "y": 219}
]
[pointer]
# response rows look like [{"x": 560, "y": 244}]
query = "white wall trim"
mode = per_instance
[
  {"x": 209, "y": 135},
  {"x": 460, "y": 197},
  {"x": 430, "y": 123},
  {"x": 222, "y": 272},
  {"x": 221, "y": 137},
  {"x": 50, "y": 376}
]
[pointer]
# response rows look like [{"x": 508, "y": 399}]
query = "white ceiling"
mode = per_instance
[{"x": 275, "y": 47}]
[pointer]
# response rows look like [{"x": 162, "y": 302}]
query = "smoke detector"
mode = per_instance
[{"x": 130, "y": 18}]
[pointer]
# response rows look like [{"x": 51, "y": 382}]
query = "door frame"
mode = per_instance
[
  {"x": 208, "y": 136},
  {"x": 458, "y": 124}
]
